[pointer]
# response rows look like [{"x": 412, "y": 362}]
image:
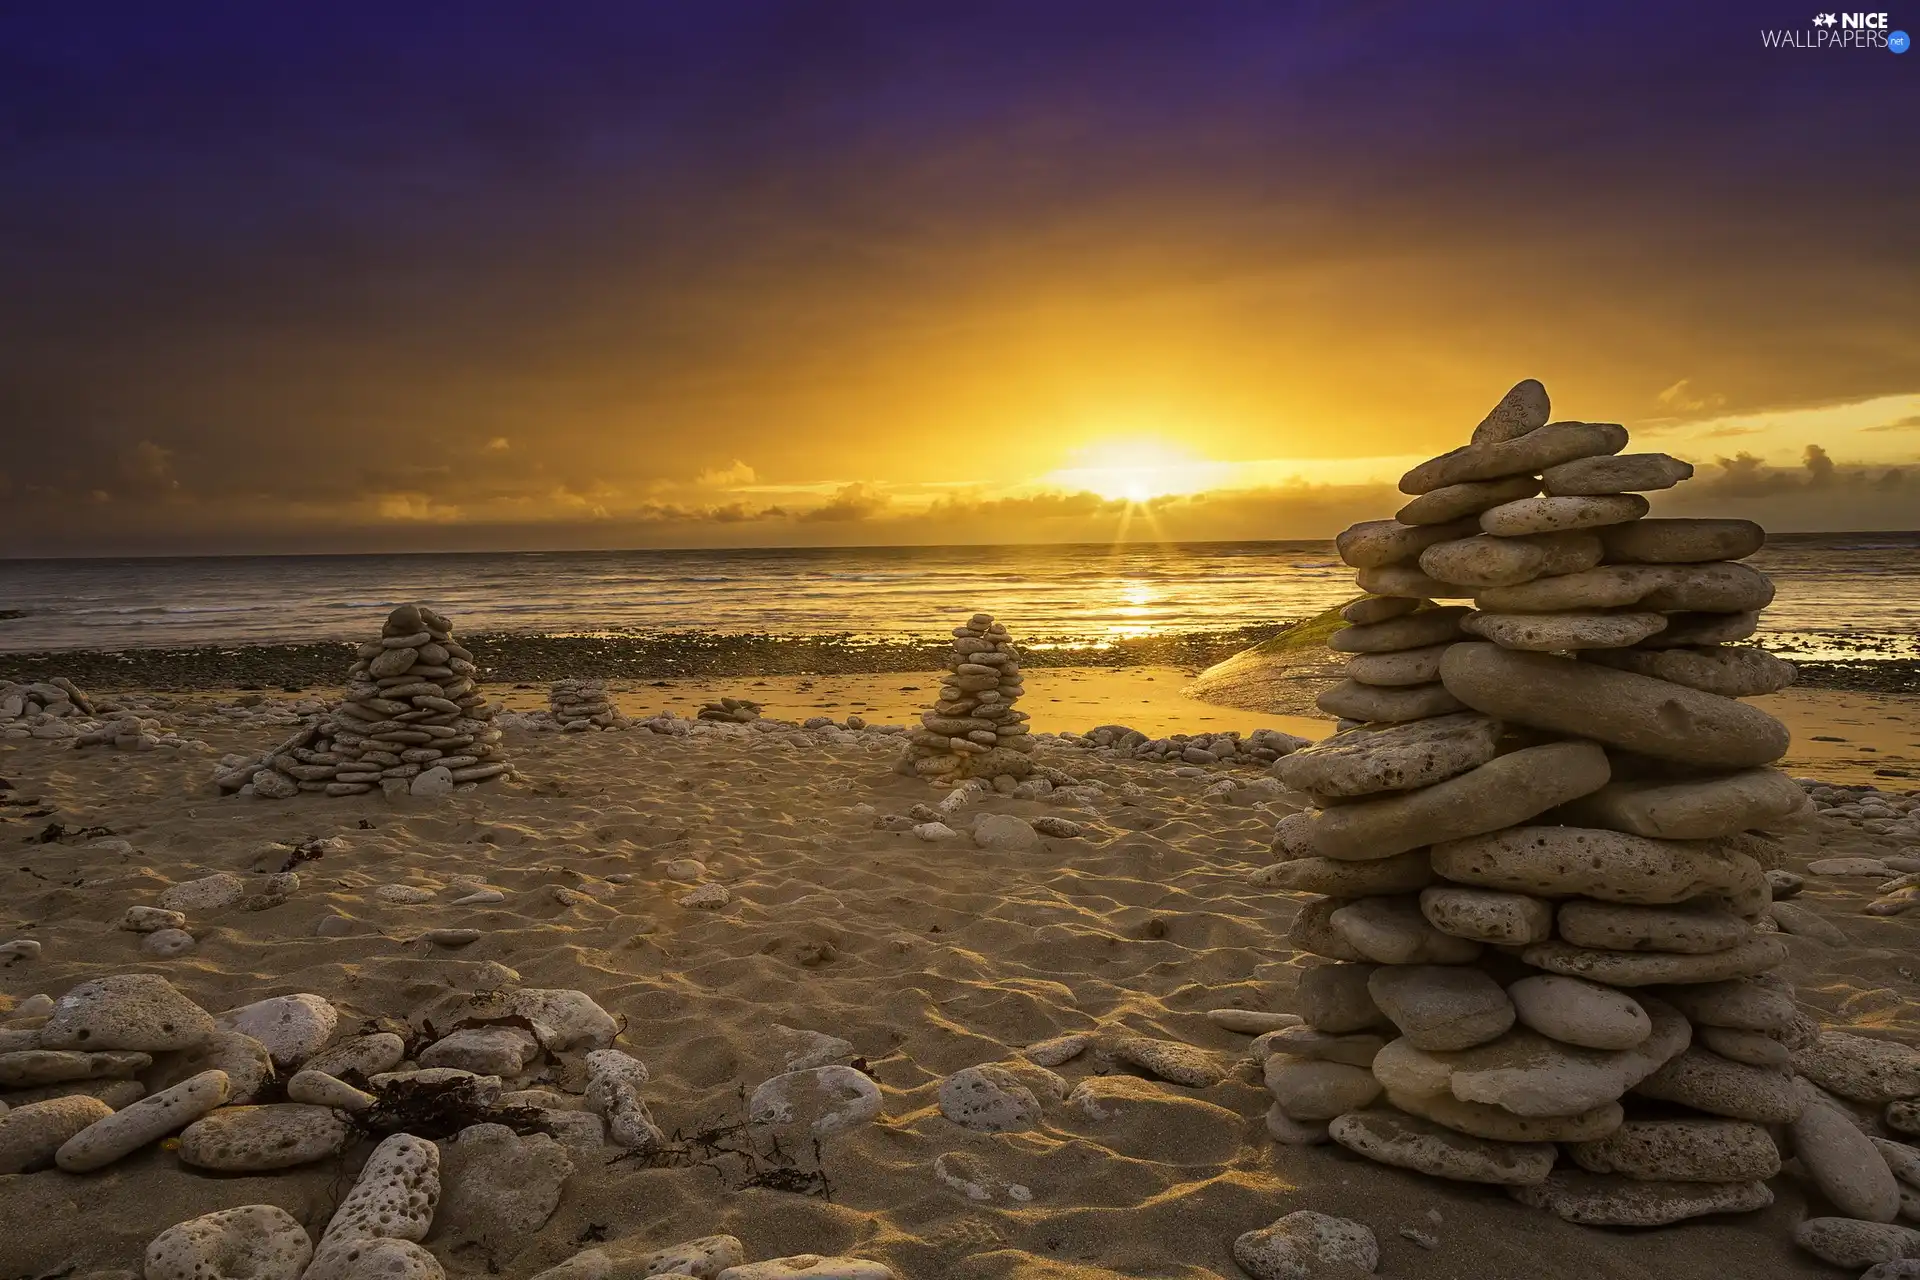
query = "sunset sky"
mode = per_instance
[{"x": 420, "y": 276}]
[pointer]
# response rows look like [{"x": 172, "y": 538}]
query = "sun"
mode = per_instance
[{"x": 1136, "y": 470}]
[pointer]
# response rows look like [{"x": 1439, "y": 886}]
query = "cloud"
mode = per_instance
[
  {"x": 1904, "y": 424},
  {"x": 726, "y": 477},
  {"x": 856, "y": 501},
  {"x": 498, "y": 444},
  {"x": 1682, "y": 398}
]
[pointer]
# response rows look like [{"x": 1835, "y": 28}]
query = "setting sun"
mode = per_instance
[{"x": 1139, "y": 469}]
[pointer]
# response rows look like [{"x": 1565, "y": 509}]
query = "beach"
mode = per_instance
[{"x": 924, "y": 956}]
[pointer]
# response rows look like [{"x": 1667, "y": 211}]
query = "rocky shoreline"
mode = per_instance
[{"x": 664, "y": 656}]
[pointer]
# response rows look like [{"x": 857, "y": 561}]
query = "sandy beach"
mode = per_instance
[{"x": 925, "y": 956}]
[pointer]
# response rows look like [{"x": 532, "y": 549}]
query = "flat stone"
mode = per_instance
[
  {"x": 1697, "y": 809},
  {"x": 1379, "y": 608},
  {"x": 1480, "y": 1120},
  {"x": 293, "y": 1028},
  {"x": 1850, "y": 1243},
  {"x": 25, "y": 1068},
  {"x": 501, "y": 1186},
  {"x": 1169, "y": 1060},
  {"x": 1531, "y": 1075},
  {"x": 1404, "y": 757},
  {"x": 1407, "y": 580},
  {"x": 319, "y": 1089},
  {"x": 1552, "y": 632},
  {"x": 1860, "y": 1068},
  {"x": 1844, "y": 1164},
  {"x": 1486, "y": 561},
  {"x": 1577, "y": 1012},
  {"x": 1723, "y": 588},
  {"x": 1641, "y": 968},
  {"x": 1750, "y": 1047},
  {"x": 1621, "y": 473},
  {"x": 1687, "y": 630},
  {"x": 825, "y": 1100},
  {"x": 1318, "y": 1090},
  {"x": 1731, "y": 671},
  {"x": 1484, "y": 915},
  {"x": 1253, "y": 1021},
  {"x": 1554, "y": 515},
  {"x": 1451, "y": 502},
  {"x": 1682, "y": 541},
  {"x": 1596, "y": 1200},
  {"x": 1618, "y": 708},
  {"x": 1743, "y": 1005},
  {"x": 252, "y": 1242},
  {"x": 374, "y": 1258},
  {"x": 1506, "y": 790},
  {"x": 30, "y": 1134},
  {"x": 1682, "y": 1151},
  {"x": 1544, "y": 447},
  {"x": 1409, "y": 631},
  {"x": 1355, "y": 1050},
  {"x": 1374, "y": 544},
  {"x": 148, "y": 1120},
  {"x": 1898, "y": 1269},
  {"x": 1873, "y": 867},
  {"x": 1397, "y": 670},
  {"x": 990, "y": 1099},
  {"x": 209, "y": 893},
  {"x": 1403, "y": 873},
  {"x": 1372, "y": 704},
  {"x": 1563, "y": 862},
  {"x": 1689, "y": 928},
  {"x": 1392, "y": 931},
  {"x": 364, "y": 1055},
  {"x": 1524, "y": 408},
  {"x": 1710, "y": 1083},
  {"x": 1306, "y": 1245},
  {"x": 246, "y": 1062},
  {"x": 151, "y": 920},
  {"x": 1334, "y": 998},
  {"x": 1004, "y": 833},
  {"x": 1283, "y": 1128},
  {"x": 485, "y": 1051},
  {"x": 126, "y": 1011},
  {"x": 1442, "y": 1006},
  {"x": 254, "y": 1139},
  {"x": 1408, "y": 1142},
  {"x": 1901, "y": 1160}
]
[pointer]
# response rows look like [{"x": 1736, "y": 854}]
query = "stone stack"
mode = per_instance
[
  {"x": 1539, "y": 861},
  {"x": 413, "y": 719},
  {"x": 42, "y": 708},
  {"x": 730, "y": 711},
  {"x": 580, "y": 705},
  {"x": 973, "y": 731}
]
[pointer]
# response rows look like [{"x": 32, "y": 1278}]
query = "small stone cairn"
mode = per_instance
[
  {"x": 730, "y": 711},
  {"x": 42, "y": 708},
  {"x": 1538, "y": 844},
  {"x": 974, "y": 731},
  {"x": 413, "y": 720},
  {"x": 580, "y": 705}
]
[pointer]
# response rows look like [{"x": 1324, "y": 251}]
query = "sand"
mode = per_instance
[{"x": 929, "y": 957}]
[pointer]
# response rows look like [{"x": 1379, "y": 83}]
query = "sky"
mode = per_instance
[{"x": 351, "y": 277}]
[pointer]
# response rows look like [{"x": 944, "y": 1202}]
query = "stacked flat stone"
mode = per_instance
[
  {"x": 413, "y": 719},
  {"x": 1539, "y": 862},
  {"x": 730, "y": 710},
  {"x": 42, "y": 708},
  {"x": 580, "y": 705},
  {"x": 974, "y": 730}
]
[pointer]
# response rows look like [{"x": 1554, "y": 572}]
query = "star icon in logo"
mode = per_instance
[{"x": 1824, "y": 20}]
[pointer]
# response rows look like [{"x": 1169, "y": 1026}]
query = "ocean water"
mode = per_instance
[{"x": 1846, "y": 596}]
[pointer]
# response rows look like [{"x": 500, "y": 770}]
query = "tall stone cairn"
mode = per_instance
[
  {"x": 413, "y": 719},
  {"x": 581, "y": 705},
  {"x": 974, "y": 731},
  {"x": 1539, "y": 853}
]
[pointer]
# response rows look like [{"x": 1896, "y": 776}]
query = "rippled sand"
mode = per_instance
[{"x": 929, "y": 957}]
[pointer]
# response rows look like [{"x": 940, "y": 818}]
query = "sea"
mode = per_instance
[{"x": 1844, "y": 597}]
